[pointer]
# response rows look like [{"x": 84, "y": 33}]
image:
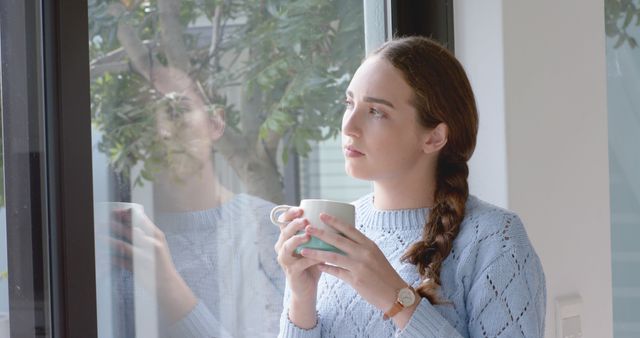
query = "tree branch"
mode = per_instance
[
  {"x": 235, "y": 149},
  {"x": 250, "y": 117},
  {"x": 114, "y": 61},
  {"x": 135, "y": 49},
  {"x": 172, "y": 36},
  {"x": 113, "y": 67},
  {"x": 119, "y": 54},
  {"x": 215, "y": 36},
  {"x": 268, "y": 148}
]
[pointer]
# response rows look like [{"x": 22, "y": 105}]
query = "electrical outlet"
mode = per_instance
[{"x": 569, "y": 316}]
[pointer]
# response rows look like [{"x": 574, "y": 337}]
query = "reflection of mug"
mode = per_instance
[
  {"x": 345, "y": 212},
  {"x": 105, "y": 214},
  {"x": 130, "y": 216}
]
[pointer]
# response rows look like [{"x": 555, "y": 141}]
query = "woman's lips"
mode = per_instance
[{"x": 352, "y": 152}]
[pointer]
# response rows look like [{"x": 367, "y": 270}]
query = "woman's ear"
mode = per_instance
[
  {"x": 435, "y": 139},
  {"x": 216, "y": 124}
]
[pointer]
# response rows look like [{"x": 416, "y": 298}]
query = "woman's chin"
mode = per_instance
[{"x": 357, "y": 173}]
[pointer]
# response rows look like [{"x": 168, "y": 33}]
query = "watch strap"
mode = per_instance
[{"x": 397, "y": 306}]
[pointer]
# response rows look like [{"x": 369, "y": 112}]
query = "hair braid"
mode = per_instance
[{"x": 442, "y": 227}]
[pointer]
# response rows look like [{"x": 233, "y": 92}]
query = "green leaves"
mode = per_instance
[
  {"x": 619, "y": 15},
  {"x": 290, "y": 60},
  {"x": 314, "y": 46}
]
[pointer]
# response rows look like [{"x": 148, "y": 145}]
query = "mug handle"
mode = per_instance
[{"x": 275, "y": 213}]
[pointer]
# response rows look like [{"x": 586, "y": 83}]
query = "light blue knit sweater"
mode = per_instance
[{"x": 492, "y": 278}]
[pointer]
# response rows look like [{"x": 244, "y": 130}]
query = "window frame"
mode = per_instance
[
  {"x": 436, "y": 21},
  {"x": 46, "y": 134},
  {"x": 69, "y": 168},
  {"x": 22, "y": 123}
]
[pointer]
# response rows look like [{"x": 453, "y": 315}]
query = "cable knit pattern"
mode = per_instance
[
  {"x": 226, "y": 257},
  {"x": 492, "y": 279}
]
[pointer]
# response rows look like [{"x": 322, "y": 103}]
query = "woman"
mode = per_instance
[
  {"x": 424, "y": 253},
  {"x": 213, "y": 270}
]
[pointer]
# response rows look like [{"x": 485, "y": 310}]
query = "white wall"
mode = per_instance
[
  {"x": 549, "y": 91},
  {"x": 478, "y": 45}
]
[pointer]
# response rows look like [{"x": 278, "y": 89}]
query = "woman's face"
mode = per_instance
[
  {"x": 186, "y": 140},
  {"x": 188, "y": 132},
  {"x": 381, "y": 136}
]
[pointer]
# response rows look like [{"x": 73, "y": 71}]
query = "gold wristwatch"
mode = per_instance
[{"x": 406, "y": 297}]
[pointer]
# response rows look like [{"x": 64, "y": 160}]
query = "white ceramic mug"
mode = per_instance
[{"x": 345, "y": 212}]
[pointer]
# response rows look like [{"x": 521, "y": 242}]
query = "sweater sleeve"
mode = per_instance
[
  {"x": 509, "y": 297},
  {"x": 200, "y": 322},
  {"x": 506, "y": 299},
  {"x": 426, "y": 321},
  {"x": 289, "y": 329}
]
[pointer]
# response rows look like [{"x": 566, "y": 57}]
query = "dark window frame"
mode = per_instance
[
  {"x": 69, "y": 168},
  {"x": 47, "y": 141},
  {"x": 24, "y": 162},
  {"x": 430, "y": 18}
]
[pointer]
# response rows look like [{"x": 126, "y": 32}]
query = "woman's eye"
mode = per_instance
[
  {"x": 376, "y": 113},
  {"x": 348, "y": 104}
]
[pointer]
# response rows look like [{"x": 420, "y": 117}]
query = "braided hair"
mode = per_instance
[{"x": 442, "y": 94}]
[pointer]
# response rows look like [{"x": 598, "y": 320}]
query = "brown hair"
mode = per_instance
[{"x": 442, "y": 94}]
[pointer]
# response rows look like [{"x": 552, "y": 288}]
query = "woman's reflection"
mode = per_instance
[{"x": 216, "y": 274}]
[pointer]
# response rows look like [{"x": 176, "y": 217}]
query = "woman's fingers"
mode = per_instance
[
  {"x": 289, "y": 231},
  {"x": 142, "y": 222},
  {"x": 336, "y": 271},
  {"x": 289, "y": 215},
  {"x": 327, "y": 257},
  {"x": 293, "y": 227},
  {"x": 120, "y": 248},
  {"x": 346, "y": 245},
  {"x": 142, "y": 245},
  {"x": 286, "y": 254},
  {"x": 348, "y": 230},
  {"x": 121, "y": 231},
  {"x": 302, "y": 264},
  {"x": 132, "y": 219},
  {"x": 291, "y": 262}
]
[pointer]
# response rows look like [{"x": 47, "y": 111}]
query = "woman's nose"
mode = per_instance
[{"x": 350, "y": 123}]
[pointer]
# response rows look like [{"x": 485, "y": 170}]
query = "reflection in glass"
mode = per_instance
[
  {"x": 197, "y": 108},
  {"x": 623, "y": 81}
]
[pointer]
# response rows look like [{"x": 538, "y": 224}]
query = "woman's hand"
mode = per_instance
[
  {"x": 145, "y": 245},
  {"x": 302, "y": 273},
  {"x": 364, "y": 266}
]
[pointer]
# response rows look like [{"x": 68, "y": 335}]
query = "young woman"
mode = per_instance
[{"x": 424, "y": 259}]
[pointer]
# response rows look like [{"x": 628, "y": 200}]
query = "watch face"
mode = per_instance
[{"x": 406, "y": 297}]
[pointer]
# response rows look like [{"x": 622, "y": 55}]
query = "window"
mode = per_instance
[
  {"x": 204, "y": 116},
  {"x": 624, "y": 163}
]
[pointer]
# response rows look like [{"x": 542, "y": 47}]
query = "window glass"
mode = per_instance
[
  {"x": 206, "y": 114},
  {"x": 623, "y": 81}
]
